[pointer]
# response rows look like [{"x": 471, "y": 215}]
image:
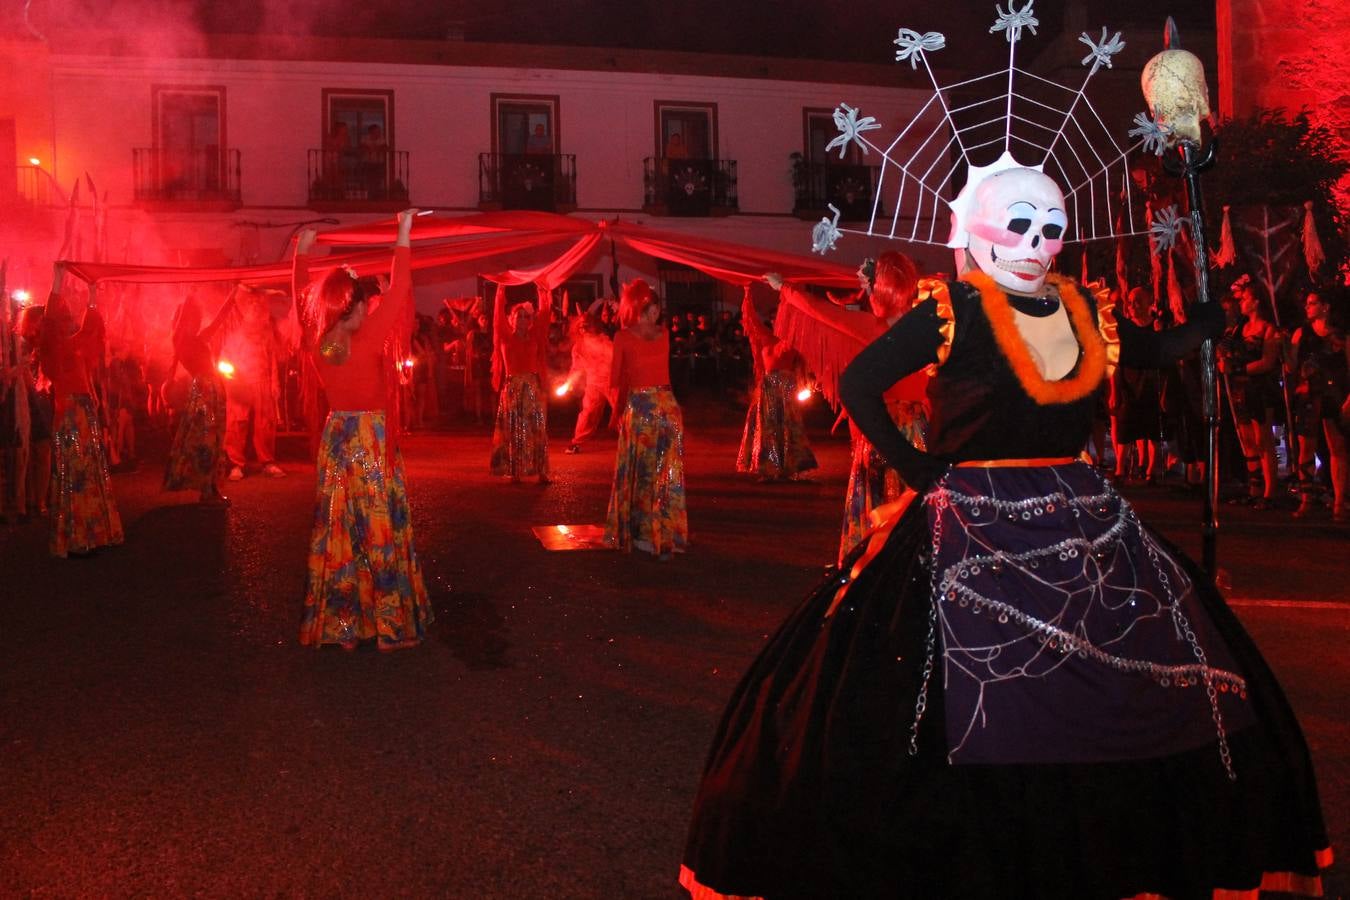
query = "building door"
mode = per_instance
[
  {"x": 190, "y": 141},
  {"x": 686, "y": 132},
  {"x": 524, "y": 127},
  {"x": 358, "y": 144},
  {"x": 526, "y": 149}
]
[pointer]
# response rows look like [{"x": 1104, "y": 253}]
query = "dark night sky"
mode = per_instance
[
  {"x": 831, "y": 29},
  {"x": 846, "y": 30}
]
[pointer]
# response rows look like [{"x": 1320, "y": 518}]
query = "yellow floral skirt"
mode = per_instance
[
  {"x": 520, "y": 437},
  {"x": 198, "y": 444},
  {"x": 84, "y": 514},
  {"x": 646, "y": 505},
  {"x": 364, "y": 581},
  {"x": 774, "y": 444}
]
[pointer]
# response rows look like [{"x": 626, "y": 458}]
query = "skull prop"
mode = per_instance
[
  {"x": 1014, "y": 223},
  {"x": 1176, "y": 92}
]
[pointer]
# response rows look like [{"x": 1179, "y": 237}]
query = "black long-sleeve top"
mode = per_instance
[{"x": 979, "y": 408}]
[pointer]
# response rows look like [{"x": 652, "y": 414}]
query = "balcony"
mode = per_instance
[
  {"x": 689, "y": 187},
  {"x": 371, "y": 180},
  {"x": 30, "y": 188},
  {"x": 199, "y": 176},
  {"x": 546, "y": 182},
  {"x": 850, "y": 188}
]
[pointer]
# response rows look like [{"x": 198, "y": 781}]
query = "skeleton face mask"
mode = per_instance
[
  {"x": 1176, "y": 92},
  {"x": 1016, "y": 228}
]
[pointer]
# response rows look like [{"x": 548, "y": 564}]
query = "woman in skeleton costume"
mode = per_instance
[
  {"x": 1013, "y": 688},
  {"x": 364, "y": 580},
  {"x": 773, "y": 445},
  {"x": 829, "y": 337},
  {"x": 519, "y": 361}
]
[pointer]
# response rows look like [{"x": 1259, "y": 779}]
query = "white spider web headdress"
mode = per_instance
[{"x": 1009, "y": 118}]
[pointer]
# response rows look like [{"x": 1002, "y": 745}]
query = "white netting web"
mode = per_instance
[{"x": 983, "y": 121}]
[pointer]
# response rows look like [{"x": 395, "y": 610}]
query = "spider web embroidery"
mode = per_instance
[{"x": 1107, "y": 597}]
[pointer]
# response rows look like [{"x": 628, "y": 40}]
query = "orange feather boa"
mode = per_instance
[{"x": 1091, "y": 367}]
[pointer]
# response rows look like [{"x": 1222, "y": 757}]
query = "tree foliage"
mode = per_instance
[{"x": 1269, "y": 158}]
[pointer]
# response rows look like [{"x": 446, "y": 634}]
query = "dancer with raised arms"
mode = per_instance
[{"x": 364, "y": 580}]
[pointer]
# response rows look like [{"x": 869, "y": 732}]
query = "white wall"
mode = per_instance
[{"x": 102, "y": 109}]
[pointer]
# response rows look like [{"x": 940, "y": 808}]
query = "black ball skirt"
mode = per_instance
[{"x": 811, "y": 790}]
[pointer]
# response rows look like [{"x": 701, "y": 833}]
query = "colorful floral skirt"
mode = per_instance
[
  {"x": 520, "y": 437},
  {"x": 873, "y": 483},
  {"x": 646, "y": 506},
  {"x": 1018, "y": 690},
  {"x": 197, "y": 451},
  {"x": 364, "y": 581},
  {"x": 84, "y": 515},
  {"x": 774, "y": 442}
]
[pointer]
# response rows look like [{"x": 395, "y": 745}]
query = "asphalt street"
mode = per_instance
[{"x": 163, "y": 734}]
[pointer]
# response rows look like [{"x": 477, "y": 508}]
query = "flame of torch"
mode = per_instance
[
  {"x": 409, "y": 363},
  {"x": 562, "y": 389},
  {"x": 22, "y": 297},
  {"x": 803, "y": 395},
  {"x": 226, "y": 368}
]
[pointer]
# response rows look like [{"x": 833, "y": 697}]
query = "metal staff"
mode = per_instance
[
  {"x": 1188, "y": 163},
  {"x": 1174, "y": 86}
]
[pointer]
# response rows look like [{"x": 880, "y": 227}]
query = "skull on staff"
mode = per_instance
[{"x": 1175, "y": 89}]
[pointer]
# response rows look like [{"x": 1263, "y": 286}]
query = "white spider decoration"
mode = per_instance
[
  {"x": 1101, "y": 51},
  {"x": 912, "y": 45},
  {"x": 1023, "y": 120},
  {"x": 850, "y": 129},
  {"x": 825, "y": 232},
  {"x": 1014, "y": 20},
  {"x": 1153, "y": 135},
  {"x": 1166, "y": 228}
]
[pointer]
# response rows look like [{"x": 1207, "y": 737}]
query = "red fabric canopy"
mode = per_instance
[
  {"x": 469, "y": 238},
  {"x": 553, "y": 274},
  {"x": 724, "y": 260},
  {"x": 432, "y": 227},
  {"x": 366, "y": 262}
]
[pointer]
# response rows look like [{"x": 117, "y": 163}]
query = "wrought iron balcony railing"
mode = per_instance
[
  {"x": 540, "y": 181},
  {"x": 191, "y": 175},
  {"x": 30, "y": 187},
  {"x": 850, "y": 188},
  {"x": 689, "y": 187},
  {"x": 359, "y": 176}
]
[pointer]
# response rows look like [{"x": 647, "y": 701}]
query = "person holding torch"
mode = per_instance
[
  {"x": 592, "y": 357},
  {"x": 773, "y": 445}
]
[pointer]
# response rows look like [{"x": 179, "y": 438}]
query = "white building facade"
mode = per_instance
[{"x": 209, "y": 151}]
